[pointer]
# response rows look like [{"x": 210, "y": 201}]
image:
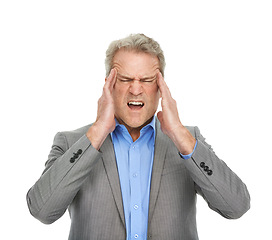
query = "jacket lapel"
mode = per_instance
[
  {"x": 108, "y": 158},
  {"x": 109, "y": 161},
  {"x": 161, "y": 144}
]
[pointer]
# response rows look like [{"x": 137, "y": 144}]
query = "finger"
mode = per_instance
[
  {"x": 111, "y": 79},
  {"x": 165, "y": 92},
  {"x": 159, "y": 116}
]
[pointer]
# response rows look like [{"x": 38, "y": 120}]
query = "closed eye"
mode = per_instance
[
  {"x": 148, "y": 80},
  {"x": 125, "y": 80}
]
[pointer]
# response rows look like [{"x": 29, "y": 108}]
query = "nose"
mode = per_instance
[{"x": 136, "y": 87}]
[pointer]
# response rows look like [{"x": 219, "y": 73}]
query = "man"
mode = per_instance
[{"x": 131, "y": 175}]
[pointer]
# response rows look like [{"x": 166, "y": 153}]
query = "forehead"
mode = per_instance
[{"x": 135, "y": 64}]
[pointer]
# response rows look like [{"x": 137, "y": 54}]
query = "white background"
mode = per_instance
[{"x": 219, "y": 60}]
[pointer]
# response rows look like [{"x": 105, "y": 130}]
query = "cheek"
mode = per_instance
[
  {"x": 153, "y": 99},
  {"x": 118, "y": 95},
  {"x": 155, "y": 93}
]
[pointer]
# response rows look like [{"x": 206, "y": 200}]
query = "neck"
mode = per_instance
[
  {"x": 135, "y": 134},
  {"x": 134, "y": 131}
]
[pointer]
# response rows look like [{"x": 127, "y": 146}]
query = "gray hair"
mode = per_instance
[{"x": 138, "y": 43}]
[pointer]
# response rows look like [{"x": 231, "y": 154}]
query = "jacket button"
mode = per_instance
[
  {"x": 79, "y": 151},
  {"x": 202, "y": 164},
  {"x": 72, "y": 160},
  {"x": 206, "y": 168},
  {"x": 210, "y": 172},
  {"x": 75, "y": 155}
]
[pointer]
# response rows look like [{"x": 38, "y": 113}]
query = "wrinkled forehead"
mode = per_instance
[{"x": 135, "y": 64}]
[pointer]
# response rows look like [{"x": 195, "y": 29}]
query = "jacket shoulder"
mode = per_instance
[
  {"x": 193, "y": 130},
  {"x": 74, "y": 135},
  {"x": 80, "y": 130}
]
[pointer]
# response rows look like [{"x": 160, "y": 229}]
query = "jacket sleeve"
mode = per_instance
[
  {"x": 223, "y": 190},
  {"x": 66, "y": 169}
]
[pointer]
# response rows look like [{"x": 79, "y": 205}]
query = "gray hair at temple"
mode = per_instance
[{"x": 138, "y": 43}]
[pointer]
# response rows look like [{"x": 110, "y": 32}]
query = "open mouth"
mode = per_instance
[{"x": 135, "y": 105}]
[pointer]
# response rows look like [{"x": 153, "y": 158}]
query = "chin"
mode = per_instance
[
  {"x": 140, "y": 123},
  {"x": 133, "y": 124}
]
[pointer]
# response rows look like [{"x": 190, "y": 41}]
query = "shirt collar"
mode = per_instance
[{"x": 152, "y": 124}]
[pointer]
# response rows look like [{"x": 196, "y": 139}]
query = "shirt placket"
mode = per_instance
[{"x": 135, "y": 188}]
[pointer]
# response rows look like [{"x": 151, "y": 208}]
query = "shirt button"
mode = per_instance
[
  {"x": 135, "y": 175},
  {"x": 136, "y": 236},
  {"x": 136, "y": 206}
]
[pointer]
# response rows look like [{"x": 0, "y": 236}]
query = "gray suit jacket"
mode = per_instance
[{"x": 86, "y": 181}]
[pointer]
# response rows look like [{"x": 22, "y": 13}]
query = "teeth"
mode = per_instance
[{"x": 136, "y": 103}]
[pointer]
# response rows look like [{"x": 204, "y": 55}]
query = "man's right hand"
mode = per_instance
[{"x": 105, "y": 122}]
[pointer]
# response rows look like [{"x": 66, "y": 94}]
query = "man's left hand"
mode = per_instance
[{"x": 170, "y": 121}]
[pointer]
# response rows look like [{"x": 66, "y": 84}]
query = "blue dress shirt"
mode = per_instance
[{"x": 134, "y": 163}]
